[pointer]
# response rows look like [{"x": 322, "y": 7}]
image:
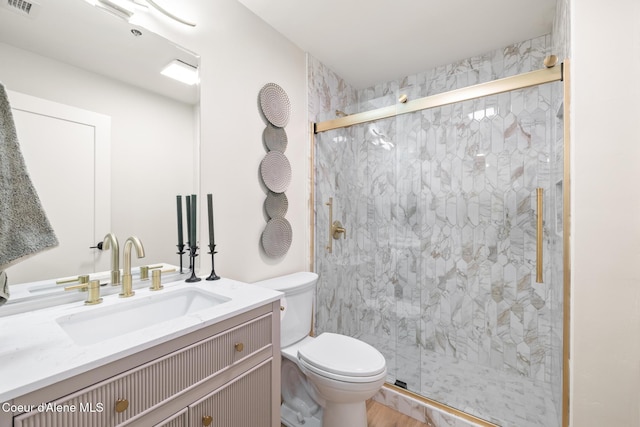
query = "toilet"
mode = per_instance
[{"x": 325, "y": 379}]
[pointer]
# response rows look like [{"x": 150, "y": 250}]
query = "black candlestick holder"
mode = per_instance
[
  {"x": 193, "y": 253},
  {"x": 212, "y": 251},
  {"x": 180, "y": 252}
]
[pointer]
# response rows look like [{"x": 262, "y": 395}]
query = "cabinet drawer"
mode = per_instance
[
  {"x": 181, "y": 419},
  {"x": 243, "y": 402},
  {"x": 136, "y": 391}
]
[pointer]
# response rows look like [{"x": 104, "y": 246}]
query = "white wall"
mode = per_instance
[
  {"x": 605, "y": 384},
  {"x": 150, "y": 163},
  {"x": 240, "y": 53}
]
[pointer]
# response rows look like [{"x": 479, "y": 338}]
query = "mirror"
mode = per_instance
[
  {"x": 88, "y": 37},
  {"x": 73, "y": 55}
]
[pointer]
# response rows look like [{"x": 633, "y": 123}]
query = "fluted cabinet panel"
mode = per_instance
[{"x": 240, "y": 403}]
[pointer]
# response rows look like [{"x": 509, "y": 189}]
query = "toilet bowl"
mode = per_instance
[{"x": 325, "y": 379}]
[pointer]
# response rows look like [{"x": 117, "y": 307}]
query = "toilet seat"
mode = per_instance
[{"x": 342, "y": 358}]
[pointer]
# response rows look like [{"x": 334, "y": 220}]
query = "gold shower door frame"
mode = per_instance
[{"x": 547, "y": 75}]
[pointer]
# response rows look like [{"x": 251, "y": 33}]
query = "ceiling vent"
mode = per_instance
[{"x": 22, "y": 7}]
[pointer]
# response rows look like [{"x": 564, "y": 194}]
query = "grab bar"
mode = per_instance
[
  {"x": 329, "y": 246},
  {"x": 539, "y": 230}
]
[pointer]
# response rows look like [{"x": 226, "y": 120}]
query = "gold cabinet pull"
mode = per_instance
[
  {"x": 539, "y": 230},
  {"x": 239, "y": 346},
  {"x": 121, "y": 405},
  {"x": 206, "y": 420}
]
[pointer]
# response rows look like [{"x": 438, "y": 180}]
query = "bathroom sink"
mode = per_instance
[{"x": 96, "y": 324}]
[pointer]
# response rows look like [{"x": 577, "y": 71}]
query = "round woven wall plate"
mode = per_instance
[
  {"x": 276, "y": 237},
  {"x": 275, "y": 138},
  {"x": 276, "y": 204},
  {"x": 276, "y": 171},
  {"x": 275, "y": 104}
]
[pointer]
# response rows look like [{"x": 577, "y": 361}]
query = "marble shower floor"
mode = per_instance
[{"x": 506, "y": 399}]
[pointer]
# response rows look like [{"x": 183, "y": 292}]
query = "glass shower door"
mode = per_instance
[
  {"x": 439, "y": 268},
  {"x": 489, "y": 327}
]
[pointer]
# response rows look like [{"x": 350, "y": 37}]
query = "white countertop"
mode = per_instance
[{"x": 35, "y": 351}]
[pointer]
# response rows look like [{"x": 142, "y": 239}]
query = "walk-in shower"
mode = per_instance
[{"x": 453, "y": 205}]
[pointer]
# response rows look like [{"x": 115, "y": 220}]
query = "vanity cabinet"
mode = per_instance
[{"x": 226, "y": 374}]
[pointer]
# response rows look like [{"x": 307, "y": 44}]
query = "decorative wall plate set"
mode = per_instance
[{"x": 275, "y": 170}]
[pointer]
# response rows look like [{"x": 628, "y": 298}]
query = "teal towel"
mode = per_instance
[{"x": 24, "y": 227}]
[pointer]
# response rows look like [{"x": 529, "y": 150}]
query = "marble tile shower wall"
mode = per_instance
[
  {"x": 328, "y": 92},
  {"x": 439, "y": 206}
]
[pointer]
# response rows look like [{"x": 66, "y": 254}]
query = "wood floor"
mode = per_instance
[{"x": 379, "y": 415}]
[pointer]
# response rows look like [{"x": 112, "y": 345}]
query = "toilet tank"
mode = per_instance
[{"x": 297, "y": 314}]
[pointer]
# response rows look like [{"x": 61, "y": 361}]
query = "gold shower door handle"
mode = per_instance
[{"x": 539, "y": 230}]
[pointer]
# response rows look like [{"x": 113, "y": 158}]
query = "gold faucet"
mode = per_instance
[
  {"x": 144, "y": 271},
  {"x": 110, "y": 241},
  {"x": 127, "y": 286},
  {"x": 337, "y": 229},
  {"x": 156, "y": 280},
  {"x": 93, "y": 290},
  {"x": 82, "y": 279}
]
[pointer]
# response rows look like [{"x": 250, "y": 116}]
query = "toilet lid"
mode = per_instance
[{"x": 343, "y": 355}]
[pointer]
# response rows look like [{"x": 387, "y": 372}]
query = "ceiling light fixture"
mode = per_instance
[
  {"x": 181, "y": 71},
  {"x": 125, "y": 9},
  {"x": 121, "y": 8},
  {"x": 169, "y": 14}
]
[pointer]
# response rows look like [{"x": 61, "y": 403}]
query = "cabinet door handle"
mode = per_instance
[
  {"x": 206, "y": 420},
  {"x": 239, "y": 346},
  {"x": 121, "y": 405}
]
